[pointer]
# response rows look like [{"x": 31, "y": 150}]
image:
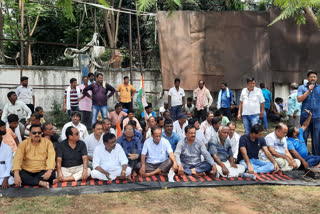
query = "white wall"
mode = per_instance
[{"x": 49, "y": 83}]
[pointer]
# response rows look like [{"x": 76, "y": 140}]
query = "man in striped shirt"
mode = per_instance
[{"x": 72, "y": 95}]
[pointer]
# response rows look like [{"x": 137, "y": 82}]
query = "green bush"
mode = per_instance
[{"x": 59, "y": 118}]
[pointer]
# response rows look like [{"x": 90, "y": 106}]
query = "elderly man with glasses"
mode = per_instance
[{"x": 34, "y": 161}]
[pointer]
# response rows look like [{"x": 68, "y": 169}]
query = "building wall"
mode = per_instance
[{"x": 49, "y": 83}]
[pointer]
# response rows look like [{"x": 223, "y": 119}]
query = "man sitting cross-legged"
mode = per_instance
[
  {"x": 250, "y": 145},
  {"x": 298, "y": 147},
  {"x": 188, "y": 155},
  {"x": 277, "y": 146},
  {"x": 221, "y": 150},
  {"x": 72, "y": 158},
  {"x": 131, "y": 145},
  {"x": 157, "y": 156},
  {"x": 34, "y": 161},
  {"x": 109, "y": 160},
  {"x": 93, "y": 140}
]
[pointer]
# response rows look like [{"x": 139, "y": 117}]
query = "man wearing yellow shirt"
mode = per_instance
[
  {"x": 34, "y": 161},
  {"x": 127, "y": 92}
]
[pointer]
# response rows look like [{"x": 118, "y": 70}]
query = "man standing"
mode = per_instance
[
  {"x": 225, "y": 99},
  {"x": 131, "y": 145},
  {"x": 294, "y": 107},
  {"x": 176, "y": 99},
  {"x": 250, "y": 146},
  {"x": 251, "y": 106},
  {"x": 188, "y": 155},
  {"x": 203, "y": 101},
  {"x": 75, "y": 122},
  {"x": 34, "y": 161},
  {"x": 16, "y": 107},
  {"x": 85, "y": 104},
  {"x": 277, "y": 145},
  {"x": 72, "y": 158},
  {"x": 127, "y": 92},
  {"x": 267, "y": 104},
  {"x": 99, "y": 97},
  {"x": 171, "y": 136},
  {"x": 309, "y": 94},
  {"x": 94, "y": 140},
  {"x": 91, "y": 78},
  {"x": 25, "y": 93},
  {"x": 221, "y": 151},
  {"x": 157, "y": 156},
  {"x": 109, "y": 160},
  {"x": 71, "y": 97}
]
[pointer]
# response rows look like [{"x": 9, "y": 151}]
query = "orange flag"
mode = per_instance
[{"x": 119, "y": 131}]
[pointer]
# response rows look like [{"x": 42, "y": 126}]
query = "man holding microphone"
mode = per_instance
[{"x": 309, "y": 95}]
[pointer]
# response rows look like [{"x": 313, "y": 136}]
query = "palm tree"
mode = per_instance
[{"x": 298, "y": 9}]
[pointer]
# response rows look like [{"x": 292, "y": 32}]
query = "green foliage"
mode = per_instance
[
  {"x": 59, "y": 118},
  {"x": 67, "y": 10},
  {"x": 295, "y": 9},
  {"x": 103, "y": 2}
]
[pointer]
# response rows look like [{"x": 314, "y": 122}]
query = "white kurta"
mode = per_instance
[
  {"x": 7, "y": 157},
  {"x": 109, "y": 161}
]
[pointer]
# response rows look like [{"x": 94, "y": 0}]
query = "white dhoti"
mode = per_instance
[
  {"x": 233, "y": 172},
  {"x": 112, "y": 174},
  {"x": 10, "y": 181}
]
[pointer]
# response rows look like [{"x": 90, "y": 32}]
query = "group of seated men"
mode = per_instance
[{"x": 182, "y": 147}]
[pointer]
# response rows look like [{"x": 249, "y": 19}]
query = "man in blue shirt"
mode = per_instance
[
  {"x": 267, "y": 104},
  {"x": 309, "y": 95},
  {"x": 250, "y": 146},
  {"x": 225, "y": 99},
  {"x": 131, "y": 145},
  {"x": 298, "y": 147},
  {"x": 294, "y": 107},
  {"x": 171, "y": 136}
]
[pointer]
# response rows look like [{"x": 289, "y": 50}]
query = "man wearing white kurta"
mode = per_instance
[
  {"x": 5, "y": 165},
  {"x": 109, "y": 160}
]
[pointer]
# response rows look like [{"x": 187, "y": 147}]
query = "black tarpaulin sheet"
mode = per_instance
[{"x": 158, "y": 182}]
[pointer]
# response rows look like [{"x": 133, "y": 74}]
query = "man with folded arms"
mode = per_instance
[
  {"x": 157, "y": 156},
  {"x": 72, "y": 158},
  {"x": 188, "y": 155},
  {"x": 34, "y": 161},
  {"x": 109, "y": 160}
]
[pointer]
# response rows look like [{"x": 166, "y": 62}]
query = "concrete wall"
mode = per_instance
[{"x": 49, "y": 83}]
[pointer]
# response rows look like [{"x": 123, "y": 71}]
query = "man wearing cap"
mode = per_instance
[
  {"x": 75, "y": 122},
  {"x": 180, "y": 124}
]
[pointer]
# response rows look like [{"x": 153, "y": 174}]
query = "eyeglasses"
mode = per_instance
[
  {"x": 129, "y": 130},
  {"x": 35, "y": 133}
]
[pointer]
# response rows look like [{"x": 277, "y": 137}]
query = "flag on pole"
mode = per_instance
[{"x": 141, "y": 98}]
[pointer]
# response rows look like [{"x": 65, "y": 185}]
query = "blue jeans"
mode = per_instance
[
  {"x": 312, "y": 160},
  {"x": 314, "y": 129},
  {"x": 175, "y": 110},
  {"x": 264, "y": 121},
  {"x": 259, "y": 166},
  {"x": 95, "y": 112},
  {"x": 249, "y": 121},
  {"x": 200, "y": 167}
]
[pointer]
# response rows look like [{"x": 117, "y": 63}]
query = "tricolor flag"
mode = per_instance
[{"x": 141, "y": 98}]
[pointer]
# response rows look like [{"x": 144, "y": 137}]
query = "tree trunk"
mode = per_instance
[
  {"x": 1, "y": 35},
  {"x": 309, "y": 11}
]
